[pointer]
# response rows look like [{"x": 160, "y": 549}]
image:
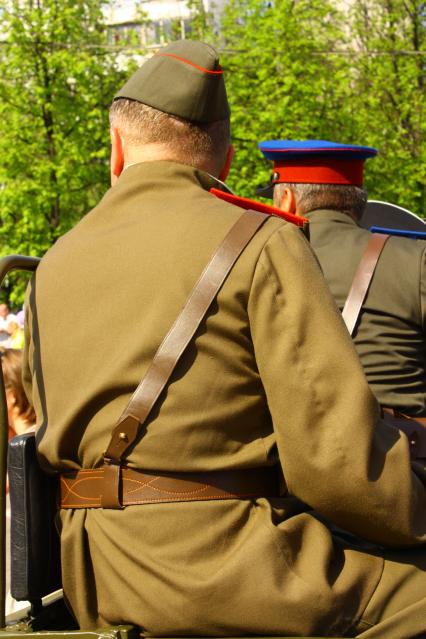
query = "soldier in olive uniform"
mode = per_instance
[
  {"x": 270, "y": 381},
  {"x": 323, "y": 181}
]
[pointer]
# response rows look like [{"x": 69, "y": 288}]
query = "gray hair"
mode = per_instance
[
  {"x": 189, "y": 143},
  {"x": 337, "y": 197}
]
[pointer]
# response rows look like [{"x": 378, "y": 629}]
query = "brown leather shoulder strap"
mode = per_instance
[
  {"x": 181, "y": 333},
  {"x": 362, "y": 280}
]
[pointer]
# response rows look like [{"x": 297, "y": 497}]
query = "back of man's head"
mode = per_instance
[
  {"x": 177, "y": 101},
  {"x": 347, "y": 199},
  {"x": 311, "y": 175}
]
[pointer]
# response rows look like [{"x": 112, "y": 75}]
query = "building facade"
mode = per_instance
[{"x": 152, "y": 23}]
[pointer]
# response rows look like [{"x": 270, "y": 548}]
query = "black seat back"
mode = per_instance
[{"x": 35, "y": 551}]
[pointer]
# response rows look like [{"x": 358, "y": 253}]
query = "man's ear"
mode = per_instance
[
  {"x": 288, "y": 201},
  {"x": 117, "y": 155},
  {"x": 227, "y": 166}
]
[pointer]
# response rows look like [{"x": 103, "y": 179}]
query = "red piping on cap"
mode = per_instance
[
  {"x": 319, "y": 171},
  {"x": 246, "y": 204},
  {"x": 172, "y": 55}
]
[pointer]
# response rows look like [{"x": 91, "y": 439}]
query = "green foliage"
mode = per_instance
[
  {"x": 350, "y": 72},
  {"x": 280, "y": 84},
  {"x": 57, "y": 79},
  {"x": 391, "y": 96},
  {"x": 202, "y": 24},
  {"x": 318, "y": 69}
]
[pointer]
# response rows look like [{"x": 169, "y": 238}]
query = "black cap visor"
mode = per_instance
[{"x": 266, "y": 191}]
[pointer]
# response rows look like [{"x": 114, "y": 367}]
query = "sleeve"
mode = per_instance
[{"x": 337, "y": 455}]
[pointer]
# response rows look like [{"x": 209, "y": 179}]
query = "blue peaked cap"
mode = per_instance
[{"x": 321, "y": 162}]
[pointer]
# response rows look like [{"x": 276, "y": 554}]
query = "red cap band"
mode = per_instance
[{"x": 319, "y": 171}]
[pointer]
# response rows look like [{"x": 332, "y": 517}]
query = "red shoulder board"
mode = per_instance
[{"x": 245, "y": 203}]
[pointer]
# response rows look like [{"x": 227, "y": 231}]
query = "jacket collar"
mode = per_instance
[
  {"x": 327, "y": 215},
  {"x": 168, "y": 170}
]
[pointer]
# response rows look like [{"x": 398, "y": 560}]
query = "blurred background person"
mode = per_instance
[
  {"x": 15, "y": 333},
  {"x": 21, "y": 415},
  {"x": 4, "y": 317}
]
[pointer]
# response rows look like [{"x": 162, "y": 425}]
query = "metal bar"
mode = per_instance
[{"x": 7, "y": 264}]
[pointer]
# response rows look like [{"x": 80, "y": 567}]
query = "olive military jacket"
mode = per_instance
[
  {"x": 271, "y": 377},
  {"x": 391, "y": 333}
]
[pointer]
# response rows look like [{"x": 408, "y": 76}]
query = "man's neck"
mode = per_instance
[
  {"x": 147, "y": 153},
  {"x": 156, "y": 152}
]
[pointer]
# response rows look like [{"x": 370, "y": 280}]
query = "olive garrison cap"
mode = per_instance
[{"x": 183, "y": 79}]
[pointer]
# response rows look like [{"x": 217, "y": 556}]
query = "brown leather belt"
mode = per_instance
[
  {"x": 84, "y": 488},
  {"x": 413, "y": 427}
]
